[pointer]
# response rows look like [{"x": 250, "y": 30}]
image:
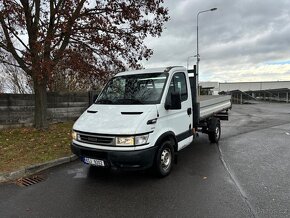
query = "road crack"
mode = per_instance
[{"x": 237, "y": 184}]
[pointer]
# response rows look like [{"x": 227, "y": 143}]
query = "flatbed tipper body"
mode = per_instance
[
  {"x": 213, "y": 104},
  {"x": 143, "y": 118}
]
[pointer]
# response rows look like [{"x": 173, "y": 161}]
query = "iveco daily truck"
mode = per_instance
[{"x": 142, "y": 118}]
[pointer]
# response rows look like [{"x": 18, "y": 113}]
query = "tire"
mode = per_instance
[
  {"x": 164, "y": 159},
  {"x": 214, "y": 131}
]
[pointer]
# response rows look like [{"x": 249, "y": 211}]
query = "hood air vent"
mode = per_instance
[
  {"x": 131, "y": 113},
  {"x": 92, "y": 112}
]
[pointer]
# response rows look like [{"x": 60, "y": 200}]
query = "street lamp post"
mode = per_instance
[{"x": 197, "y": 51}]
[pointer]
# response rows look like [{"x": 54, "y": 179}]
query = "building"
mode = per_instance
[
  {"x": 210, "y": 87},
  {"x": 246, "y": 91},
  {"x": 253, "y": 86}
]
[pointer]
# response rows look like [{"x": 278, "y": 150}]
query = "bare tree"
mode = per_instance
[
  {"x": 15, "y": 79},
  {"x": 1, "y": 85}
]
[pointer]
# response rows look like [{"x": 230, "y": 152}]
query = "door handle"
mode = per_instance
[{"x": 189, "y": 111}]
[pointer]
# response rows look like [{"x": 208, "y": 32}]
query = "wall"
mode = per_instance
[{"x": 17, "y": 109}]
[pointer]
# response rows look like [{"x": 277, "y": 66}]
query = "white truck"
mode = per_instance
[{"x": 142, "y": 118}]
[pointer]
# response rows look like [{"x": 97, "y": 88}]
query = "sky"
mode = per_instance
[{"x": 243, "y": 40}]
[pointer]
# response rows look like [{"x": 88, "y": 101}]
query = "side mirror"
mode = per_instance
[{"x": 174, "y": 103}]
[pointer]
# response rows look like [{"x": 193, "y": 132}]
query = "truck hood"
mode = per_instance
[{"x": 116, "y": 119}]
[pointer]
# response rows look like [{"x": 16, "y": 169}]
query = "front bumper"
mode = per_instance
[{"x": 138, "y": 160}]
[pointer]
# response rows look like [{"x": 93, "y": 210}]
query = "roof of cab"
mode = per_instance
[{"x": 150, "y": 70}]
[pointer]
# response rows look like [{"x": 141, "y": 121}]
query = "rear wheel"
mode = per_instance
[
  {"x": 164, "y": 159},
  {"x": 214, "y": 130}
]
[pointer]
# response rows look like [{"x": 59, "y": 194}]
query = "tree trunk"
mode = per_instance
[{"x": 40, "y": 111}]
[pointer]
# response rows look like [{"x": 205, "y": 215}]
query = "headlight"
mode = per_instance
[
  {"x": 125, "y": 141},
  {"x": 74, "y": 135},
  {"x": 141, "y": 139},
  {"x": 131, "y": 140}
]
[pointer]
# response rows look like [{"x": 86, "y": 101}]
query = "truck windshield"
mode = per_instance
[{"x": 134, "y": 89}]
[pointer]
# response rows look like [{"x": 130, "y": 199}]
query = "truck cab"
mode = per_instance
[{"x": 140, "y": 119}]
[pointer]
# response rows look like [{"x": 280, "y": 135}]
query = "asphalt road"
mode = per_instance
[{"x": 246, "y": 175}]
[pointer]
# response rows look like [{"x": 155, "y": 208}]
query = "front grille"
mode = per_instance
[{"x": 96, "y": 140}]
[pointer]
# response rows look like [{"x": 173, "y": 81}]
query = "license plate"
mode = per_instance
[{"x": 94, "y": 162}]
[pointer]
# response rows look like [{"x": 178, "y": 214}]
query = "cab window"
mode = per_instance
[{"x": 178, "y": 84}]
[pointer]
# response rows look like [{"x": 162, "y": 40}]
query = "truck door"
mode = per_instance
[{"x": 180, "y": 120}]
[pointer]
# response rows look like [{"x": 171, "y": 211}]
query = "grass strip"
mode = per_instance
[{"x": 20, "y": 147}]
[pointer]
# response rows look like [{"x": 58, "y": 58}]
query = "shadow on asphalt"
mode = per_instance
[
  {"x": 95, "y": 173},
  {"x": 196, "y": 160}
]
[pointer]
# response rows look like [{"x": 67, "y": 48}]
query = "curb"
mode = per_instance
[{"x": 32, "y": 169}]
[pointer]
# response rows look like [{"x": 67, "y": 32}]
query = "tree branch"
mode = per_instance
[
  {"x": 67, "y": 34},
  {"x": 8, "y": 63},
  {"x": 28, "y": 17},
  {"x": 37, "y": 14},
  {"x": 10, "y": 46},
  {"x": 17, "y": 37}
]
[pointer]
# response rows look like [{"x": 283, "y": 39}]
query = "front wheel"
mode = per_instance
[{"x": 164, "y": 159}]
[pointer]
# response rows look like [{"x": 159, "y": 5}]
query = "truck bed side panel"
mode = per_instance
[{"x": 212, "y": 104}]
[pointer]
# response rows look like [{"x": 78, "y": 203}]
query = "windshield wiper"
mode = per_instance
[
  {"x": 128, "y": 101},
  {"x": 104, "y": 101}
]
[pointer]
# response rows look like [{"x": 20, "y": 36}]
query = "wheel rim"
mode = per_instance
[
  {"x": 217, "y": 132},
  {"x": 166, "y": 159}
]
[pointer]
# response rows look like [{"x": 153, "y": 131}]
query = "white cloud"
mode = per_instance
[
  {"x": 263, "y": 72},
  {"x": 236, "y": 41}
]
